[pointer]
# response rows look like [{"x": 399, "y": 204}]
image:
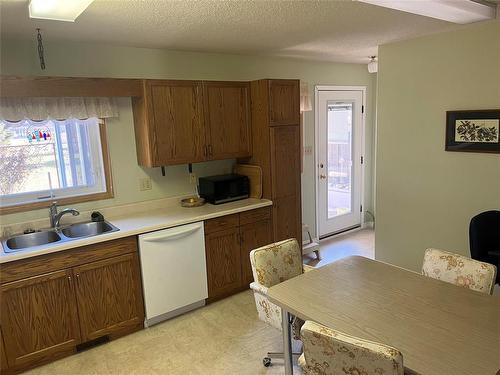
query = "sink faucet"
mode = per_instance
[{"x": 55, "y": 217}]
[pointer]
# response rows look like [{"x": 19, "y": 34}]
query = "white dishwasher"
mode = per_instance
[{"x": 174, "y": 274}]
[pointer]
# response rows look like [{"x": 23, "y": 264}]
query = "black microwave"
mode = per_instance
[{"x": 224, "y": 188}]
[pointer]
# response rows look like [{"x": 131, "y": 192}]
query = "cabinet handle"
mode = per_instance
[
  {"x": 205, "y": 150},
  {"x": 210, "y": 150},
  {"x": 69, "y": 280}
]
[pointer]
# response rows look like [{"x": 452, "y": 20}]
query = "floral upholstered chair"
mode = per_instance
[
  {"x": 329, "y": 352},
  {"x": 459, "y": 270},
  {"x": 271, "y": 265}
]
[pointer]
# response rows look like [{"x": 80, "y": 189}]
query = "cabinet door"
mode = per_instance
[
  {"x": 39, "y": 318},
  {"x": 223, "y": 262},
  {"x": 287, "y": 221},
  {"x": 227, "y": 117},
  {"x": 109, "y": 296},
  {"x": 285, "y": 161},
  {"x": 285, "y": 177},
  {"x": 284, "y": 102},
  {"x": 176, "y": 110},
  {"x": 3, "y": 357},
  {"x": 253, "y": 236}
]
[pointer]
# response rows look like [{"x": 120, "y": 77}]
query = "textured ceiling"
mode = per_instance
[{"x": 343, "y": 31}]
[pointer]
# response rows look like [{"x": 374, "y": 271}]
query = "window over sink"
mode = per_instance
[{"x": 43, "y": 161}]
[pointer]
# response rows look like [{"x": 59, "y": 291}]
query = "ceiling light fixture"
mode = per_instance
[
  {"x": 456, "y": 11},
  {"x": 373, "y": 65},
  {"x": 58, "y": 10}
]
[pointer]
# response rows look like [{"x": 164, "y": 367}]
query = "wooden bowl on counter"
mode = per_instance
[{"x": 192, "y": 202}]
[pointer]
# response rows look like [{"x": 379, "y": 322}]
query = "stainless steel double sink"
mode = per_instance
[{"x": 69, "y": 233}]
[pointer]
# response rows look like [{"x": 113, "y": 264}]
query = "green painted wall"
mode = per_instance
[
  {"x": 426, "y": 196},
  {"x": 92, "y": 60}
]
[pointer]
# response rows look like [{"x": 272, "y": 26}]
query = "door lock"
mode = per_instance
[{"x": 322, "y": 176}]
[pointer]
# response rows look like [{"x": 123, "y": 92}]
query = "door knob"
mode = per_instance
[{"x": 322, "y": 176}]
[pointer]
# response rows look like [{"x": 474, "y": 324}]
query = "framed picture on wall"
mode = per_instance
[{"x": 473, "y": 131}]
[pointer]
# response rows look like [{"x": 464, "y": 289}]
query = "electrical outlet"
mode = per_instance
[
  {"x": 145, "y": 184},
  {"x": 192, "y": 178},
  {"x": 308, "y": 150}
]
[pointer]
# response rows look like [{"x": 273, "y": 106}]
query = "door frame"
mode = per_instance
[{"x": 318, "y": 88}]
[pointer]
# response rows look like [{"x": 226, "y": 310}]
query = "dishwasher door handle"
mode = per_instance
[{"x": 171, "y": 235}]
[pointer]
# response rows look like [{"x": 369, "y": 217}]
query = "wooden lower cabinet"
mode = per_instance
[
  {"x": 253, "y": 235},
  {"x": 39, "y": 318},
  {"x": 3, "y": 357},
  {"x": 222, "y": 251},
  {"x": 228, "y": 244},
  {"x": 94, "y": 293},
  {"x": 109, "y": 296}
]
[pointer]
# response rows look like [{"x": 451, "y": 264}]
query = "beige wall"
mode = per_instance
[
  {"x": 70, "y": 59},
  {"x": 426, "y": 196}
]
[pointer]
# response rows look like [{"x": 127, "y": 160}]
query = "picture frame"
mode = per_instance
[{"x": 473, "y": 131}]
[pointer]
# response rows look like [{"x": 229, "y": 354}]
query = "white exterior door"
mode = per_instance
[{"x": 340, "y": 137}]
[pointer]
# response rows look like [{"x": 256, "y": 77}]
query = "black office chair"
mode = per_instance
[{"x": 484, "y": 237}]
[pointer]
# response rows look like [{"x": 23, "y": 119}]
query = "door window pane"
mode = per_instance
[{"x": 340, "y": 164}]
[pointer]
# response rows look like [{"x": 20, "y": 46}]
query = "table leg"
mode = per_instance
[{"x": 287, "y": 342}]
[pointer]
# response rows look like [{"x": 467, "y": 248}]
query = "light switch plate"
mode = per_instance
[
  {"x": 145, "y": 184},
  {"x": 308, "y": 150}
]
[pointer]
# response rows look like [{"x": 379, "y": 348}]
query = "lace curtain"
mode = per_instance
[{"x": 17, "y": 109}]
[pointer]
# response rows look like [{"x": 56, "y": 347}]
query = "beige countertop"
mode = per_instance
[{"x": 134, "y": 223}]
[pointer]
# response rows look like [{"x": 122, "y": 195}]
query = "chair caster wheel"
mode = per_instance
[{"x": 266, "y": 362}]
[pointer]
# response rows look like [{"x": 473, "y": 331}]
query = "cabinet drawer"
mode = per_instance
[
  {"x": 28, "y": 267},
  {"x": 255, "y": 215},
  {"x": 222, "y": 223}
]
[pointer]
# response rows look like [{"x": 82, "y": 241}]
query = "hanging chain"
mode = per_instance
[{"x": 40, "y": 49}]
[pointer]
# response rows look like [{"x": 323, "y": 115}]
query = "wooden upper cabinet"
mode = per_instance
[
  {"x": 169, "y": 123},
  {"x": 227, "y": 119},
  {"x": 177, "y": 117},
  {"x": 109, "y": 296},
  {"x": 39, "y": 318},
  {"x": 180, "y": 122},
  {"x": 284, "y": 102}
]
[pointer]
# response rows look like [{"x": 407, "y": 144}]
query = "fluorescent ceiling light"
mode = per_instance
[
  {"x": 59, "y": 10},
  {"x": 456, "y": 11}
]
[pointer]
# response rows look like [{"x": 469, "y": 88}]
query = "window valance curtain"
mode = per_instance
[{"x": 16, "y": 109}]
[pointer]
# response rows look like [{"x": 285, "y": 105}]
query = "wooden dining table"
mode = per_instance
[{"x": 440, "y": 328}]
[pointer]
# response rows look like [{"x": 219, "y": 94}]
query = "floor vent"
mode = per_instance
[{"x": 92, "y": 344}]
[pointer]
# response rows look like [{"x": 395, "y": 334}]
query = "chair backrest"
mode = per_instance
[
  {"x": 459, "y": 270},
  {"x": 329, "y": 352},
  {"x": 277, "y": 262},
  {"x": 484, "y": 235}
]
